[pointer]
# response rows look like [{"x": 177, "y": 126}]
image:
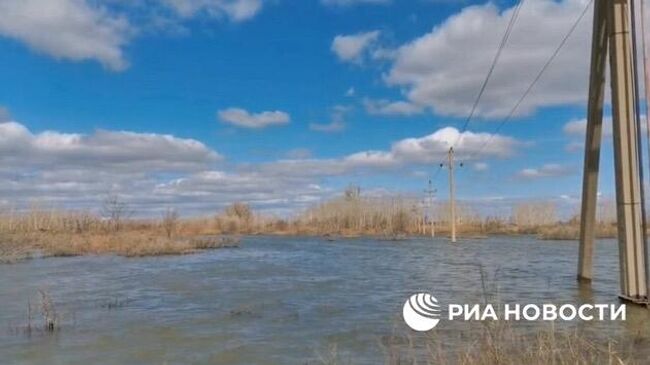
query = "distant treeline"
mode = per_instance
[{"x": 350, "y": 214}]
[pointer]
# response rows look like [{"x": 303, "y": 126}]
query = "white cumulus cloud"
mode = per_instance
[
  {"x": 114, "y": 151},
  {"x": 82, "y": 30},
  {"x": 153, "y": 171},
  {"x": 336, "y": 123},
  {"x": 387, "y": 107},
  {"x": 578, "y": 127},
  {"x": 353, "y": 2},
  {"x": 236, "y": 10},
  {"x": 351, "y": 48},
  {"x": 67, "y": 29},
  {"x": 443, "y": 69},
  {"x": 242, "y": 118},
  {"x": 545, "y": 171}
]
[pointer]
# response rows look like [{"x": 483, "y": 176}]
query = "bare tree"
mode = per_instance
[
  {"x": 352, "y": 192},
  {"x": 170, "y": 221},
  {"x": 241, "y": 211},
  {"x": 532, "y": 214},
  {"x": 115, "y": 211}
]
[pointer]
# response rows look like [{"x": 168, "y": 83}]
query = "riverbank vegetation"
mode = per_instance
[
  {"x": 113, "y": 230},
  {"x": 353, "y": 214},
  {"x": 46, "y": 233},
  {"x": 498, "y": 343}
]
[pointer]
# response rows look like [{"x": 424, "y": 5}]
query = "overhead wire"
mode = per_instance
[
  {"x": 539, "y": 75},
  {"x": 495, "y": 60},
  {"x": 488, "y": 76}
]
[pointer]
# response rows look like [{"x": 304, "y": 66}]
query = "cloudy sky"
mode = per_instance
[{"x": 198, "y": 103}]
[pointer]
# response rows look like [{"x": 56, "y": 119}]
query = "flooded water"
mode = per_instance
[{"x": 280, "y": 300}]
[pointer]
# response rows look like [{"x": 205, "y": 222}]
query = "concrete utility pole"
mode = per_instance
[
  {"x": 423, "y": 228},
  {"x": 452, "y": 198},
  {"x": 430, "y": 191},
  {"x": 611, "y": 32},
  {"x": 422, "y": 222}
]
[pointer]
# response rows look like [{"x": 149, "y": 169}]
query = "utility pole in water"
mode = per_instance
[
  {"x": 452, "y": 198},
  {"x": 430, "y": 191},
  {"x": 614, "y": 33}
]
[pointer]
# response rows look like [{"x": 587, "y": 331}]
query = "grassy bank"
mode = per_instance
[
  {"x": 14, "y": 247},
  {"x": 60, "y": 233}
]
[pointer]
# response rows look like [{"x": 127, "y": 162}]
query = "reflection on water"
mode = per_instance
[{"x": 279, "y": 300}]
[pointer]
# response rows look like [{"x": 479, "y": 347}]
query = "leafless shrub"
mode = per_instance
[
  {"x": 115, "y": 211},
  {"x": 236, "y": 218},
  {"x": 170, "y": 221},
  {"x": 534, "y": 214},
  {"x": 240, "y": 211}
]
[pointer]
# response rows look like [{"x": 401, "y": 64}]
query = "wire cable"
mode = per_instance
[
  {"x": 495, "y": 60},
  {"x": 535, "y": 80},
  {"x": 488, "y": 76}
]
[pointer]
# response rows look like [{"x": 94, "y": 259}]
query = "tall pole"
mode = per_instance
[
  {"x": 613, "y": 33},
  {"x": 593, "y": 141},
  {"x": 632, "y": 253},
  {"x": 452, "y": 199},
  {"x": 430, "y": 191},
  {"x": 423, "y": 220}
]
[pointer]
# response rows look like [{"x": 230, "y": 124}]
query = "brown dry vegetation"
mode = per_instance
[
  {"x": 60, "y": 233},
  {"x": 66, "y": 233},
  {"x": 504, "y": 344},
  {"x": 124, "y": 243},
  {"x": 353, "y": 215}
]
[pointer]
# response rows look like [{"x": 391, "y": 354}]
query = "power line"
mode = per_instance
[
  {"x": 535, "y": 80},
  {"x": 504, "y": 40},
  {"x": 488, "y": 76}
]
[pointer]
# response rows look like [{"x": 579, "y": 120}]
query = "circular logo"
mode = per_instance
[{"x": 421, "y": 312}]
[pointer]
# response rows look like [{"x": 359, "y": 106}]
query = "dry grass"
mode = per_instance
[
  {"x": 68, "y": 233},
  {"x": 354, "y": 215},
  {"x": 500, "y": 343},
  {"x": 12, "y": 251},
  {"x": 60, "y": 233},
  {"x": 47, "y": 233},
  {"x": 123, "y": 243},
  {"x": 571, "y": 231}
]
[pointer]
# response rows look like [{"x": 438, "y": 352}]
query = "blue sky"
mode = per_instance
[{"x": 283, "y": 103}]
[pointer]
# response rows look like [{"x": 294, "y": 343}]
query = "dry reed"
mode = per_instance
[
  {"x": 60, "y": 233},
  {"x": 67, "y": 233}
]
